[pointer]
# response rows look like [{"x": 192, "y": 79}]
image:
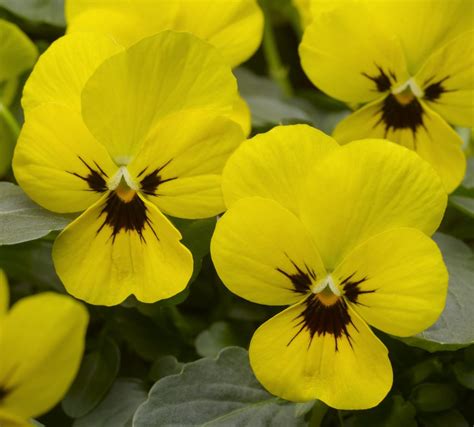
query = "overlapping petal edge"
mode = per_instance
[
  {"x": 116, "y": 148},
  {"x": 351, "y": 249}
]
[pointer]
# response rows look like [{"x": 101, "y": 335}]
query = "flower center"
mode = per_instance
[{"x": 327, "y": 291}]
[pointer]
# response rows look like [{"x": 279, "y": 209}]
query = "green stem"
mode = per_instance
[
  {"x": 10, "y": 121},
  {"x": 275, "y": 66}
]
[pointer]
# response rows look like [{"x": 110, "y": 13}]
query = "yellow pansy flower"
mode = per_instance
[
  {"x": 234, "y": 27},
  {"x": 340, "y": 235},
  {"x": 412, "y": 67},
  {"x": 126, "y": 135},
  {"x": 41, "y": 345}
]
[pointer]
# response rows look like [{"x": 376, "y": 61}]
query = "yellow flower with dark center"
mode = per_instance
[
  {"x": 413, "y": 67},
  {"x": 41, "y": 345},
  {"x": 126, "y": 135},
  {"x": 341, "y": 235}
]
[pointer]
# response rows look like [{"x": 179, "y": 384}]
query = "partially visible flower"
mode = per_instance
[
  {"x": 17, "y": 55},
  {"x": 413, "y": 67},
  {"x": 125, "y": 138},
  {"x": 304, "y": 10},
  {"x": 340, "y": 235},
  {"x": 41, "y": 346},
  {"x": 234, "y": 27}
]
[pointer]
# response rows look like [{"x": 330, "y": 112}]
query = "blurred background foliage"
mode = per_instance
[{"x": 134, "y": 348}]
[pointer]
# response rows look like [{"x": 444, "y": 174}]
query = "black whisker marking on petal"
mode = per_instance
[
  {"x": 382, "y": 81},
  {"x": 131, "y": 216},
  {"x": 434, "y": 91},
  {"x": 352, "y": 288},
  {"x": 320, "y": 319},
  {"x": 301, "y": 280},
  {"x": 149, "y": 184},
  {"x": 95, "y": 179},
  {"x": 4, "y": 392}
]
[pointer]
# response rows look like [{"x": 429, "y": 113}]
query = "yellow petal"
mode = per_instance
[
  {"x": 433, "y": 139},
  {"x": 62, "y": 71},
  {"x": 241, "y": 114},
  {"x": 116, "y": 249},
  {"x": 11, "y": 420},
  {"x": 4, "y": 294},
  {"x": 294, "y": 366},
  {"x": 234, "y": 27},
  {"x": 423, "y": 26},
  {"x": 160, "y": 75},
  {"x": 275, "y": 164},
  {"x": 304, "y": 9},
  {"x": 179, "y": 167},
  {"x": 44, "y": 335},
  {"x": 17, "y": 52},
  {"x": 447, "y": 79},
  {"x": 396, "y": 280},
  {"x": 348, "y": 55},
  {"x": 367, "y": 187},
  {"x": 58, "y": 163},
  {"x": 263, "y": 253}
]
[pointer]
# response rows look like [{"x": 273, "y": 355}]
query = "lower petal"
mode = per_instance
[
  {"x": 352, "y": 372},
  {"x": 396, "y": 280},
  {"x": 116, "y": 249}
]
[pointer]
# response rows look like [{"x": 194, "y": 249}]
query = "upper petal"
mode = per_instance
[
  {"x": 160, "y": 75},
  {"x": 263, "y": 253},
  {"x": 275, "y": 164},
  {"x": 349, "y": 55},
  {"x": 116, "y": 249},
  {"x": 62, "y": 71},
  {"x": 58, "y": 163},
  {"x": 296, "y": 363},
  {"x": 367, "y": 187},
  {"x": 44, "y": 337},
  {"x": 447, "y": 79},
  {"x": 179, "y": 166},
  {"x": 396, "y": 281}
]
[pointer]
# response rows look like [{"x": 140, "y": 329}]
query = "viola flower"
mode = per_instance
[
  {"x": 125, "y": 139},
  {"x": 412, "y": 67},
  {"x": 234, "y": 27},
  {"x": 340, "y": 235},
  {"x": 41, "y": 345}
]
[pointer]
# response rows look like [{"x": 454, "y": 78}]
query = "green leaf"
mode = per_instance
[
  {"x": 164, "y": 366},
  {"x": 219, "y": 335},
  {"x": 394, "y": 411},
  {"x": 434, "y": 397},
  {"x": 453, "y": 330},
  {"x": 197, "y": 238},
  {"x": 96, "y": 375},
  {"x": 469, "y": 177},
  {"x": 464, "y": 374},
  {"x": 464, "y": 203},
  {"x": 37, "y": 11},
  {"x": 17, "y": 52},
  {"x": 118, "y": 407},
  {"x": 214, "y": 392},
  {"x": 22, "y": 220},
  {"x": 450, "y": 418}
]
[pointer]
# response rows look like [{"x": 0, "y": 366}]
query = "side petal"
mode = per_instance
[
  {"x": 274, "y": 165},
  {"x": 179, "y": 167},
  {"x": 116, "y": 249},
  {"x": 62, "y": 71},
  {"x": 44, "y": 335},
  {"x": 432, "y": 138},
  {"x": 345, "y": 60},
  {"x": 241, "y": 114},
  {"x": 263, "y": 253},
  {"x": 367, "y": 187},
  {"x": 157, "y": 76},
  {"x": 58, "y": 163},
  {"x": 294, "y": 365},
  {"x": 447, "y": 79},
  {"x": 11, "y": 420},
  {"x": 396, "y": 281}
]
